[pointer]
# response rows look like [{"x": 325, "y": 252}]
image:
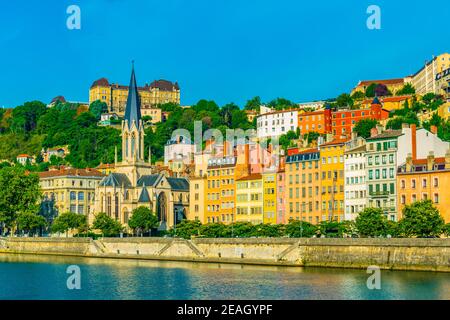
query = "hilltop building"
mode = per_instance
[{"x": 115, "y": 96}]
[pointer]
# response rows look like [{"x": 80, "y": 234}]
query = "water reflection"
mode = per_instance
[{"x": 44, "y": 277}]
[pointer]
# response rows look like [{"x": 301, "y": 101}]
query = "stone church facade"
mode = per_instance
[{"x": 134, "y": 182}]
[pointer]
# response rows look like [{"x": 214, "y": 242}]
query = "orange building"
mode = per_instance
[
  {"x": 302, "y": 186},
  {"x": 220, "y": 190},
  {"x": 311, "y": 122},
  {"x": 425, "y": 179}
]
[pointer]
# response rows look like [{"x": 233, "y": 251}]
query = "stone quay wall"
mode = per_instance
[{"x": 394, "y": 254}]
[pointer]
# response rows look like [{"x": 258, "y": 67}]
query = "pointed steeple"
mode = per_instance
[{"x": 133, "y": 109}]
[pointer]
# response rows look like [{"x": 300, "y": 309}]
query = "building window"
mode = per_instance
[
  {"x": 436, "y": 182},
  {"x": 436, "y": 198},
  {"x": 424, "y": 183},
  {"x": 81, "y": 196},
  {"x": 403, "y": 199},
  {"x": 413, "y": 183},
  {"x": 72, "y": 195}
]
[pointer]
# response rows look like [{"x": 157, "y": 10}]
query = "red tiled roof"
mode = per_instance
[
  {"x": 102, "y": 82},
  {"x": 385, "y": 82},
  {"x": 396, "y": 99},
  {"x": 310, "y": 113},
  {"x": 70, "y": 172},
  {"x": 334, "y": 142},
  {"x": 424, "y": 161},
  {"x": 24, "y": 155},
  {"x": 164, "y": 85},
  {"x": 253, "y": 176}
]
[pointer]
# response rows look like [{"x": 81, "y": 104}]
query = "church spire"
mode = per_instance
[{"x": 133, "y": 108}]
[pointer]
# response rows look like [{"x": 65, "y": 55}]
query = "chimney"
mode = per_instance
[
  {"x": 447, "y": 159},
  {"x": 354, "y": 135},
  {"x": 413, "y": 141},
  {"x": 409, "y": 162},
  {"x": 373, "y": 132},
  {"x": 430, "y": 161},
  {"x": 380, "y": 128},
  {"x": 433, "y": 129}
]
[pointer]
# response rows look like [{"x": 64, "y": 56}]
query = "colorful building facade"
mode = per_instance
[
  {"x": 425, "y": 179},
  {"x": 332, "y": 179}
]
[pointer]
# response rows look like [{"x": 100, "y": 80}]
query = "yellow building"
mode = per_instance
[
  {"x": 444, "y": 111},
  {"x": 115, "y": 95},
  {"x": 425, "y": 179},
  {"x": 269, "y": 180},
  {"x": 332, "y": 178},
  {"x": 391, "y": 103},
  {"x": 393, "y": 85},
  {"x": 197, "y": 199},
  {"x": 249, "y": 199},
  {"x": 303, "y": 186},
  {"x": 106, "y": 168},
  {"x": 68, "y": 189}
]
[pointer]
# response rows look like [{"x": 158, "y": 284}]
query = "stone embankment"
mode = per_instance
[{"x": 395, "y": 254}]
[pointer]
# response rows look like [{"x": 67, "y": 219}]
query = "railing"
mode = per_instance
[{"x": 379, "y": 193}]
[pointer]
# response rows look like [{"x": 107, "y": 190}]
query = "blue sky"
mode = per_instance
[{"x": 225, "y": 50}]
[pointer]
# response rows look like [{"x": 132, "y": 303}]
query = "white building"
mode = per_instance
[
  {"x": 179, "y": 148},
  {"x": 355, "y": 187},
  {"x": 277, "y": 123},
  {"x": 419, "y": 143}
]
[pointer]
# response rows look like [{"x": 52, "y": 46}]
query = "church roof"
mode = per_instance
[
  {"x": 144, "y": 196},
  {"x": 178, "y": 184},
  {"x": 115, "y": 180},
  {"x": 148, "y": 180},
  {"x": 133, "y": 108}
]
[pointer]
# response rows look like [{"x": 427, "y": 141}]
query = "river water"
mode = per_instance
[{"x": 45, "y": 277}]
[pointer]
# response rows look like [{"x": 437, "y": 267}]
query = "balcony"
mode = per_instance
[{"x": 380, "y": 194}]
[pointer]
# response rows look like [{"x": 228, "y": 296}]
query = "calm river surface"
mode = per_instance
[{"x": 45, "y": 277}]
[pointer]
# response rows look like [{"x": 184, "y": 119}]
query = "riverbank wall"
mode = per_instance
[{"x": 394, "y": 254}]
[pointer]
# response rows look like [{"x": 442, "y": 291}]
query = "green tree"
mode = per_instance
[
  {"x": 370, "y": 90},
  {"x": 311, "y": 136},
  {"x": 67, "y": 221},
  {"x": 406, "y": 90},
  {"x": 186, "y": 229},
  {"x": 253, "y": 104},
  {"x": 143, "y": 220},
  {"x": 241, "y": 229},
  {"x": 214, "y": 230},
  {"x": 19, "y": 193},
  {"x": 29, "y": 222},
  {"x": 107, "y": 225},
  {"x": 371, "y": 222},
  {"x": 344, "y": 101},
  {"x": 98, "y": 107},
  {"x": 25, "y": 117},
  {"x": 358, "y": 95},
  {"x": 268, "y": 230},
  {"x": 330, "y": 229},
  {"x": 364, "y": 126},
  {"x": 446, "y": 229},
  {"x": 421, "y": 219},
  {"x": 297, "y": 229}
]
